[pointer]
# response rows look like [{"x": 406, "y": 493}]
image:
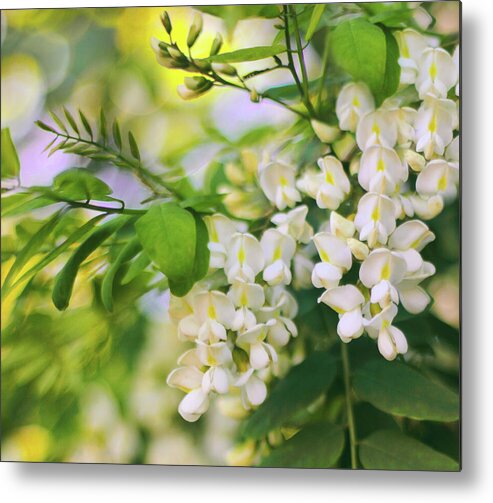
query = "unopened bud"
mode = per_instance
[
  {"x": 344, "y": 147},
  {"x": 416, "y": 161},
  {"x": 202, "y": 65},
  {"x": 354, "y": 165},
  {"x": 224, "y": 68},
  {"x": 196, "y": 83},
  {"x": 195, "y": 30},
  {"x": 188, "y": 94},
  {"x": 359, "y": 250},
  {"x": 254, "y": 96},
  {"x": 166, "y": 22},
  {"x": 216, "y": 44},
  {"x": 325, "y": 132}
]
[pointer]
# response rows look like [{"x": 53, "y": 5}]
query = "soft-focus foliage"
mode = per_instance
[{"x": 262, "y": 190}]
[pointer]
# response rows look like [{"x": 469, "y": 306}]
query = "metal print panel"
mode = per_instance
[{"x": 231, "y": 235}]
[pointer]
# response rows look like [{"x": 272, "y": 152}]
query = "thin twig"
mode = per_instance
[{"x": 349, "y": 405}]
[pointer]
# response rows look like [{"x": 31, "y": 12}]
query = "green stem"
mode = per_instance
[
  {"x": 349, "y": 405},
  {"x": 304, "y": 74},
  {"x": 290, "y": 53},
  {"x": 225, "y": 82},
  {"x": 142, "y": 174},
  {"x": 325, "y": 69},
  {"x": 103, "y": 209}
]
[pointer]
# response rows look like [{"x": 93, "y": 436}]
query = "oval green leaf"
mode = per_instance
[
  {"x": 318, "y": 445},
  {"x": 78, "y": 184},
  {"x": 398, "y": 389},
  {"x": 10, "y": 165},
  {"x": 250, "y": 54},
  {"x": 302, "y": 385},
  {"x": 392, "y": 450},
  {"x": 369, "y": 54}
]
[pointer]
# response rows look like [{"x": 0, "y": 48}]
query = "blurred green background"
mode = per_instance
[{"x": 85, "y": 385}]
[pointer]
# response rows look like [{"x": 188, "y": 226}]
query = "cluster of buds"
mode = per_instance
[
  {"x": 171, "y": 56},
  {"x": 239, "y": 329}
]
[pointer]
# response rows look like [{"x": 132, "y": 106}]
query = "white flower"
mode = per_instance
[
  {"x": 220, "y": 229},
  {"x": 377, "y": 128},
  {"x": 340, "y": 226},
  {"x": 214, "y": 354},
  {"x": 437, "y": 73},
  {"x": 245, "y": 258},
  {"x": 381, "y": 170},
  {"x": 412, "y": 234},
  {"x": 196, "y": 401},
  {"x": 375, "y": 218},
  {"x": 354, "y": 100},
  {"x": 294, "y": 224},
  {"x": 391, "y": 340},
  {"x": 381, "y": 271},
  {"x": 253, "y": 389},
  {"x": 412, "y": 296},
  {"x": 329, "y": 187},
  {"x": 213, "y": 313},
  {"x": 427, "y": 207},
  {"x": 346, "y": 301},
  {"x": 435, "y": 122},
  {"x": 455, "y": 58},
  {"x": 277, "y": 181},
  {"x": 245, "y": 294},
  {"x": 260, "y": 352},
  {"x": 336, "y": 259},
  {"x": 411, "y": 46},
  {"x": 302, "y": 269},
  {"x": 438, "y": 177},
  {"x": 278, "y": 249}
]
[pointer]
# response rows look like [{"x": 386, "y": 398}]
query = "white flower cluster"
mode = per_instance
[
  {"x": 391, "y": 140},
  {"x": 237, "y": 335}
]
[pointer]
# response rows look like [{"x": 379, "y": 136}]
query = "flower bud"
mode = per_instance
[
  {"x": 166, "y": 22},
  {"x": 202, "y": 65},
  {"x": 344, "y": 147},
  {"x": 354, "y": 165},
  {"x": 416, "y": 161},
  {"x": 254, "y": 96},
  {"x": 186, "y": 93},
  {"x": 325, "y": 132},
  {"x": 216, "y": 44},
  {"x": 224, "y": 68},
  {"x": 359, "y": 250},
  {"x": 195, "y": 30}
]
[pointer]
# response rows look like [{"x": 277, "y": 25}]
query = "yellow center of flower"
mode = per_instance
[
  {"x": 356, "y": 102},
  {"x": 376, "y": 129},
  {"x": 324, "y": 256},
  {"x": 282, "y": 181},
  {"x": 211, "y": 311},
  {"x": 432, "y": 126},
  {"x": 442, "y": 183},
  {"x": 329, "y": 178},
  {"x": 375, "y": 216},
  {"x": 386, "y": 271},
  {"x": 380, "y": 165},
  {"x": 433, "y": 70},
  {"x": 243, "y": 298},
  {"x": 241, "y": 255},
  {"x": 277, "y": 253}
]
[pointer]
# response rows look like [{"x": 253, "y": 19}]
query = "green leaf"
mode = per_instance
[
  {"x": 73, "y": 238},
  {"x": 127, "y": 253},
  {"x": 169, "y": 237},
  {"x": 78, "y": 184},
  {"x": 102, "y": 126},
  {"x": 250, "y": 54},
  {"x": 302, "y": 385},
  {"x": 317, "y": 445},
  {"x": 32, "y": 246},
  {"x": 86, "y": 124},
  {"x": 202, "y": 253},
  {"x": 369, "y": 54},
  {"x": 23, "y": 202},
  {"x": 136, "y": 267},
  {"x": 59, "y": 122},
  {"x": 71, "y": 120},
  {"x": 203, "y": 203},
  {"x": 134, "y": 149},
  {"x": 9, "y": 159},
  {"x": 400, "y": 390},
  {"x": 117, "y": 137},
  {"x": 392, "y": 450},
  {"x": 317, "y": 14},
  {"x": 45, "y": 127},
  {"x": 64, "y": 281}
]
